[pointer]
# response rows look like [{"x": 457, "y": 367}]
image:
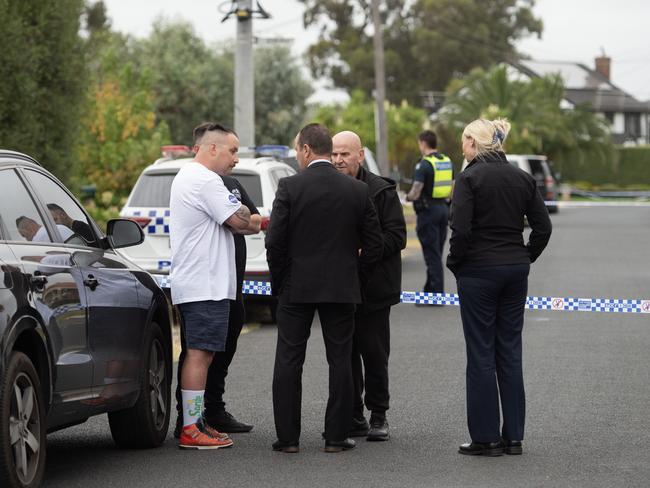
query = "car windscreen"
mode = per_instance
[
  {"x": 252, "y": 184},
  {"x": 152, "y": 190},
  {"x": 537, "y": 169}
]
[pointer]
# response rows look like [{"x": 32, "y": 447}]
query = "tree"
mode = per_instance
[
  {"x": 121, "y": 134},
  {"x": 191, "y": 82},
  {"x": 426, "y": 42},
  {"x": 539, "y": 124},
  {"x": 281, "y": 92},
  {"x": 43, "y": 75},
  {"x": 405, "y": 122}
]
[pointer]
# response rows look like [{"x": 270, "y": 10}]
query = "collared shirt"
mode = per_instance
[{"x": 319, "y": 161}]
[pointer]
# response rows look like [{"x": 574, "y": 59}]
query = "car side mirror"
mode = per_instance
[{"x": 123, "y": 233}]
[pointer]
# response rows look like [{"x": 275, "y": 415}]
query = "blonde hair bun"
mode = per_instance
[{"x": 488, "y": 135}]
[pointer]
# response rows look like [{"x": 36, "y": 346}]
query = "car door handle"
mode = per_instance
[
  {"x": 38, "y": 280},
  {"x": 91, "y": 282}
]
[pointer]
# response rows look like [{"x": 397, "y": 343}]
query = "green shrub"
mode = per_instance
[{"x": 627, "y": 169}]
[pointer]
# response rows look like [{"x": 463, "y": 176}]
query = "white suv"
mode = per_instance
[
  {"x": 148, "y": 204},
  {"x": 539, "y": 168}
]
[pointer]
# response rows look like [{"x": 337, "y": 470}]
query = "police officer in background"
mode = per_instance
[{"x": 430, "y": 194}]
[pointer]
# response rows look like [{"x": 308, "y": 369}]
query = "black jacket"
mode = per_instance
[
  {"x": 491, "y": 198},
  {"x": 320, "y": 221},
  {"x": 236, "y": 188},
  {"x": 385, "y": 284}
]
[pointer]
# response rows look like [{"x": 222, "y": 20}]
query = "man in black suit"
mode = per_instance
[{"x": 322, "y": 242}]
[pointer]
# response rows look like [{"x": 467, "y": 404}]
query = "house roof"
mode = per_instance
[{"x": 584, "y": 85}]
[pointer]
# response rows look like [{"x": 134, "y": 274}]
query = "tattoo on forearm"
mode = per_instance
[
  {"x": 416, "y": 189},
  {"x": 243, "y": 214}
]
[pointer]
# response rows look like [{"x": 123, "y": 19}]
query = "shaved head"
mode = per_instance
[
  {"x": 349, "y": 138},
  {"x": 347, "y": 152}
]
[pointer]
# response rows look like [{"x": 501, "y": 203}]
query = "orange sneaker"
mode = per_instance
[
  {"x": 196, "y": 437},
  {"x": 212, "y": 432}
]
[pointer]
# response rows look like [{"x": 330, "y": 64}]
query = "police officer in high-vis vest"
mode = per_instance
[{"x": 430, "y": 194}]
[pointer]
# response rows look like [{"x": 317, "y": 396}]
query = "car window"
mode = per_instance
[
  {"x": 252, "y": 184},
  {"x": 152, "y": 190},
  {"x": 537, "y": 169},
  {"x": 276, "y": 175},
  {"x": 70, "y": 219},
  {"x": 20, "y": 218}
]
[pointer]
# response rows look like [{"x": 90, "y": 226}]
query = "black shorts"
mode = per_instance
[{"x": 205, "y": 324}]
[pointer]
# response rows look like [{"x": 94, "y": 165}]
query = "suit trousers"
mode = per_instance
[
  {"x": 216, "y": 381},
  {"x": 294, "y": 326},
  {"x": 492, "y": 301},
  {"x": 431, "y": 228},
  {"x": 370, "y": 351}
]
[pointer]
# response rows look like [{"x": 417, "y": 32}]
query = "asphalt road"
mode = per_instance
[{"x": 587, "y": 379}]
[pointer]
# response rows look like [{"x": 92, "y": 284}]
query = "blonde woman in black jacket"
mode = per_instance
[{"x": 491, "y": 263}]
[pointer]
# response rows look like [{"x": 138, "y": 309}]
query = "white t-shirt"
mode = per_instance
[
  {"x": 203, "y": 250},
  {"x": 42, "y": 235}
]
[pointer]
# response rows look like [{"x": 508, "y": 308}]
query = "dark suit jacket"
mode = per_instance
[{"x": 319, "y": 222}]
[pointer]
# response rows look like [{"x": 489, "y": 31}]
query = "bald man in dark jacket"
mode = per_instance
[{"x": 372, "y": 319}]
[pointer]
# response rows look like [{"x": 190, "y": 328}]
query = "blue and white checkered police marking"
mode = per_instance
[
  {"x": 603, "y": 305},
  {"x": 159, "y": 224}
]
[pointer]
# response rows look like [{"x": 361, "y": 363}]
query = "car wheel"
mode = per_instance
[
  {"x": 22, "y": 425},
  {"x": 145, "y": 424}
]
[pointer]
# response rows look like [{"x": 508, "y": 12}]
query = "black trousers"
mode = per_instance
[
  {"x": 370, "y": 351},
  {"x": 492, "y": 301},
  {"x": 431, "y": 228},
  {"x": 216, "y": 380},
  {"x": 294, "y": 327}
]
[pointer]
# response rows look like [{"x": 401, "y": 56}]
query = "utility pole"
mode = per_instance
[
  {"x": 243, "y": 11},
  {"x": 381, "y": 131},
  {"x": 244, "y": 78}
]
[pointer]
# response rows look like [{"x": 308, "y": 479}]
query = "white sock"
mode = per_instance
[{"x": 192, "y": 406}]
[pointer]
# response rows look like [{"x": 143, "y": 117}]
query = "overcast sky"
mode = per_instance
[{"x": 574, "y": 30}]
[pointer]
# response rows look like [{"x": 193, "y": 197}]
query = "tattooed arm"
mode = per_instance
[
  {"x": 416, "y": 191},
  {"x": 240, "y": 220}
]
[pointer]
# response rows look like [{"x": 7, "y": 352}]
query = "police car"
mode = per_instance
[{"x": 148, "y": 205}]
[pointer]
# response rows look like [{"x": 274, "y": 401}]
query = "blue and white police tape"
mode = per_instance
[
  {"x": 607, "y": 305},
  {"x": 603, "y": 305},
  {"x": 595, "y": 204}
]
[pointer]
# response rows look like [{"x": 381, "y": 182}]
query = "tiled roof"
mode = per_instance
[{"x": 583, "y": 85}]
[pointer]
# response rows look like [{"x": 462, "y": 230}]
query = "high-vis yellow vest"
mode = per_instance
[{"x": 443, "y": 175}]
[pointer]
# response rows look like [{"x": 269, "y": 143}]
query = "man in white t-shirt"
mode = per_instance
[
  {"x": 203, "y": 216},
  {"x": 35, "y": 232}
]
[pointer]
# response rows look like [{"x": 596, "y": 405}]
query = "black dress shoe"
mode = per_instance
[
  {"x": 513, "y": 447},
  {"x": 225, "y": 422},
  {"x": 378, "y": 429},
  {"x": 360, "y": 427},
  {"x": 288, "y": 447},
  {"x": 179, "y": 426},
  {"x": 338, "y": 446},
  {"x": 482, "y": 449}
]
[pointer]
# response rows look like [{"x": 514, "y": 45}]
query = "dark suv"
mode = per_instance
[{"x": 83, "y": 331}]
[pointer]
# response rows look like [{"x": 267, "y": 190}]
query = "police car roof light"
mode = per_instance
[
  {"x": 174, "y": 151},
  {"x": 276, "y": 150}
]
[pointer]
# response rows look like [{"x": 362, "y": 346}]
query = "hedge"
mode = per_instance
[{"x": 629, "y": 167}]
